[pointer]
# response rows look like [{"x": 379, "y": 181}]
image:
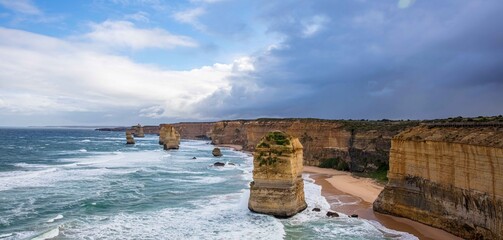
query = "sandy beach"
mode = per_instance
[{"x": 351, "y": 195}]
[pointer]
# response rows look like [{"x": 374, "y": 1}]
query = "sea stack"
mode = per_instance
[
  {"x": 448, "y": 176},
  {"x": 216, "y": 152},
  {"x": 277, "y": 188},
  {"x": 138, "y": 131},
  {"x": 169, "y": 137},
  {"x": 129, "y": 138}
]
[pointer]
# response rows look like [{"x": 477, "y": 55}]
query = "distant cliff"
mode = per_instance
[
  {"x": 448, "y": 176},
  {"x": 363, "y": 144}
]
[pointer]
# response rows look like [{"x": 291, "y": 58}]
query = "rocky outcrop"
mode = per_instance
[
  {"x": 169, "y": 137},
  {"x": 364, "y": 145},
  {"x": 448, "y": 176},
  {"x": 129, "y": 138},
  {"x": 277, "y": 188},
  {"x": 138, "y": 131},
  {"x": 187, "y": 130},
  {"x": 216, "y": 152}
]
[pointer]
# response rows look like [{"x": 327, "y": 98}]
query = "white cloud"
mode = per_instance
[
  {"x": 21, "y": 6},
  {"x": 126, "y": 34},
  {"x": 41, "y": 74},
  {"x": 206, "y": 1},
  {"x": 405, "y": 3},
  {"x": 313, "y": 25},
  {"x": 190, "y": 16},
  {"x": 139, "y": 17}
]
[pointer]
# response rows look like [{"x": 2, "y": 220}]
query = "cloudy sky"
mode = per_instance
[{"x": 120, "y": 62}]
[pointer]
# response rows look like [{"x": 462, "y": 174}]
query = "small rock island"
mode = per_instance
[
  {"x": 277, "y": 188},
  {"x": 129, "y": 138},
  {"x": 138, "y": 131},
  {"x": 169, "y": 137}
]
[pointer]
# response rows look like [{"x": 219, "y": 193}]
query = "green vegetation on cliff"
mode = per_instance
[{"x": 335, "y": 163}]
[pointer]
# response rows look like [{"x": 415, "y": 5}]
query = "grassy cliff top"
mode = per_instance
[{"x": 482, "y": 134}]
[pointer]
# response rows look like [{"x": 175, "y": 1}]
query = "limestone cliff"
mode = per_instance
[
  {"x": 194, "y": 130},
  {"x": 277, "y": 188},
  {"x": 448, "y": 176},
  {"x": 363, "y": 144},
  {"x": 169, "y": 137}
]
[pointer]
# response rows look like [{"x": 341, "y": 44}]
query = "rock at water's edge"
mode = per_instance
[
  {"x": 169, "y": 137},
  {"x": 277, "y": 188},
  {"x": 216, "y": 152},
  {"x": 129, "y": 138}
]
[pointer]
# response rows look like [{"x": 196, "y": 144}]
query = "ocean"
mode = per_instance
[{"x": 85, "y": 184}]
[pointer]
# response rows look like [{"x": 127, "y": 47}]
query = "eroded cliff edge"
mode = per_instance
[
  {"x": 448, "y": 176},
  {"x": 363, "y": 144}
]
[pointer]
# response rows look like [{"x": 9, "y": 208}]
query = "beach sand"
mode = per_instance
[{"x": 351, "y": 195}]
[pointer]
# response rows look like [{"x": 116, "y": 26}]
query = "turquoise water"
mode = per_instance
[{"x": 84, "y": 184}]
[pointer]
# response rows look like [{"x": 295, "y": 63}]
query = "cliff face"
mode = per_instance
[
  {"x": 277, "y": 188},
  {"x": 449, "y": 177},
  {"x": 194, "y": 130},
  {"x": 365, "y": 145}
]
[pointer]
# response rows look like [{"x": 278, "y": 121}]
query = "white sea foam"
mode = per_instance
[
  {"x": 82, "y": 150},
  {"x": 85, "y": 140},
  {"x": 219, "y": 217},
  {"x": 47, "y": 235},
  {"x": 59, "y": 216},
  {"x": 6, "y": 235}
]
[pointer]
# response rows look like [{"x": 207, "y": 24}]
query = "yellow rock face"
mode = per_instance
[
  {"x": 277, "y": 188},
  {"x": 445, "y": 177},
  {"x": 138, "y": 131},
  {"x": 169, "y": 137},
  {"x": 129, "y": 138}
]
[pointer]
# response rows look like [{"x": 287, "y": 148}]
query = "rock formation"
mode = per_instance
[
  {"x": 448, "y": 176},
  {"x": 129, "y": 138},
  {"x": 216, "y": 152},
  {"x": 277, "y": 188},
  {"x": 363, "y": 144},
  {"x": 138, "y": 131},
  {"x": 169, "y": 137}
]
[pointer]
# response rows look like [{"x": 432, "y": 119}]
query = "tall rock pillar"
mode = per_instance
[
  {"x": 169, "y": 137},
  {"x": 277, "y": 188}
]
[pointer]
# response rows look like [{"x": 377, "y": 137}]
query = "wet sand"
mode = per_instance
[{"x": 351, "y": 195}]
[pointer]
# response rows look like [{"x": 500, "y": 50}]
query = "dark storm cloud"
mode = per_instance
[{"x": 372, "y": 59}]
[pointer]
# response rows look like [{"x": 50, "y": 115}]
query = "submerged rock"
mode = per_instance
[
  {"x": 169, "y": 137},
  {"x": 216, "y": 152},
  {"x": 354, "y": 215},
  {"x": 219, "y": 164},
  {"x": 277, "y": 188},
  {"x": 332, "y": 214},
  {"x": 129, "y": 138},
  {"x": 316, "y": 209}
]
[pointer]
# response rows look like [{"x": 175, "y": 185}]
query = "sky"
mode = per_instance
[{"x": 122, "y": 62}]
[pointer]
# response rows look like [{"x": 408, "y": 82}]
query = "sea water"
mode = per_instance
[{"x": 84, "y": 184}]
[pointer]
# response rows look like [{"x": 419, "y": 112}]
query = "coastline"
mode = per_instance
[{"x": 351, "y": 195}]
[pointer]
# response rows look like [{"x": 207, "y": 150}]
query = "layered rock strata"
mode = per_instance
[
  {"x": 129, "y": 138},
  {"x": 277, "y": 188},
  {"x": 364, "y": 145},
  {"x": 169, "y": 137},
  {"x": 448, "y": 176}
]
